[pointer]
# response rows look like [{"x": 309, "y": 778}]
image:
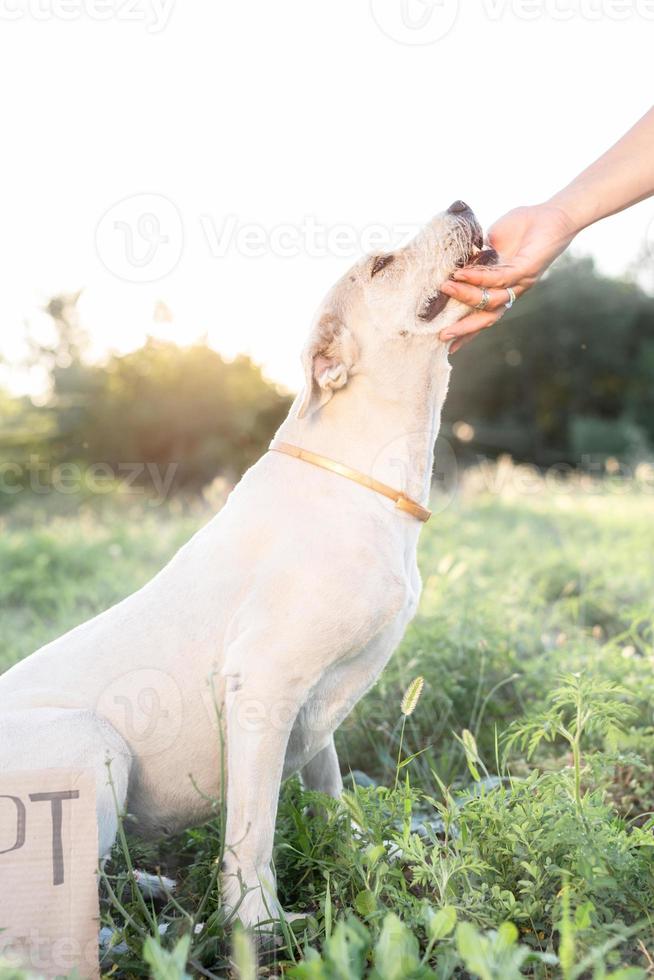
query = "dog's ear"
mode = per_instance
[{"x": 328, "y": 360}]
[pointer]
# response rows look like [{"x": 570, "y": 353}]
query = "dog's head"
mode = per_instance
[{"x": 389, "y": 297}]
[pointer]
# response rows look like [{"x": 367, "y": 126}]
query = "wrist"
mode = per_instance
[{"x": 577, "y": 206}]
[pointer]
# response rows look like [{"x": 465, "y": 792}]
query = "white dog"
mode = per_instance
[{"x": 256, "y": 640}]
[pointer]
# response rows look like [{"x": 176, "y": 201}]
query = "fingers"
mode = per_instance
[
  {"x": 471, "y": 324},
  {"x": 498, "y": 276},
  {"x": 472, "y": 295}
]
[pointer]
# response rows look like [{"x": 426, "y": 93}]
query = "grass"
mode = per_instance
[{"x": 505, "y": 828}]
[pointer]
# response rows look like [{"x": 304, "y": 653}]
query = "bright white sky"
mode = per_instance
[{"x": 266, "y": 114}]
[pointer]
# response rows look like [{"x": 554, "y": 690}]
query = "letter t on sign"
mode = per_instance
[{"x": 57, "y": 843}]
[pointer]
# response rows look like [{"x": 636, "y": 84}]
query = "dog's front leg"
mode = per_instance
[
  {"x": 259, "y": 718},
  {"x": 323, "y": 772}
]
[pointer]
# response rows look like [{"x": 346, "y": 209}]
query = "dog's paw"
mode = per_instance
[{"x": 255, "y": 906}]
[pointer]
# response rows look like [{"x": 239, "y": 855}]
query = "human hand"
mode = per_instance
[{"x": 528, "y": 239}]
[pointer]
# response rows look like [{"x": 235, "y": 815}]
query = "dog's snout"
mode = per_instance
[
  {"x": 459, "y": 207},
  {"x": 466, "y": 216}
]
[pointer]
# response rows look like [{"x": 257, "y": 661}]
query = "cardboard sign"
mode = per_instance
[{"x": 48, "y": 863}]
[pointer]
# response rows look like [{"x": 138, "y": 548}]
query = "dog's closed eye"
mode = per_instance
[{"x": 380, "y": 263}]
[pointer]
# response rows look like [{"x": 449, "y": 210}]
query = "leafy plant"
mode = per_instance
[
  {"x": 580, "y": 706},
  {"x": 167, "y": 964}
]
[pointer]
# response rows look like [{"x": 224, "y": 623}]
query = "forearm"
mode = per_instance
[{"x": 621, "y": 177}]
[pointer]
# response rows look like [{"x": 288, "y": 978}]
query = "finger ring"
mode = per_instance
[
  {"x": 512, "y": 298},
  {"x": 483, "y": 302}
]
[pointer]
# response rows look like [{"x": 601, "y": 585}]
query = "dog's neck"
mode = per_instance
[{"x": 384, "y": 422}]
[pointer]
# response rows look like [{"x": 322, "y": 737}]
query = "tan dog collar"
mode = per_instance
[{"x": 401, "y": 501}]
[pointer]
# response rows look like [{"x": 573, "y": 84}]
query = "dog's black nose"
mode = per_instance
[{"x": 458, "y": 207}]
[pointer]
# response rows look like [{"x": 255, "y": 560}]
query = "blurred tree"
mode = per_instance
[
  {"x": 70, "y": 339},
  {"x": 164, "y": 404},
  {"x": 160, "y": 404}
]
